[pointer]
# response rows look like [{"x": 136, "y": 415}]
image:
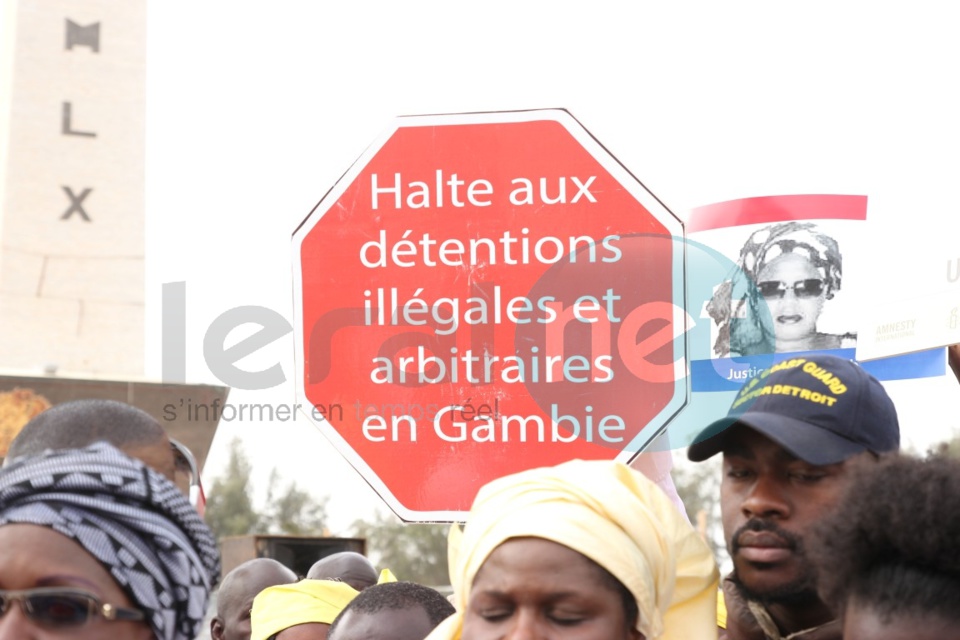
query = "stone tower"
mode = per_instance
[{"x": 72, "y": 104}]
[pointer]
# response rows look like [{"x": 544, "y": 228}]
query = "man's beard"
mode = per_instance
[{"x": 801, "y": 589}]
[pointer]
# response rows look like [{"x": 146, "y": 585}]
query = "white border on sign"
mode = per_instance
[{"x": 633, "y": 186}]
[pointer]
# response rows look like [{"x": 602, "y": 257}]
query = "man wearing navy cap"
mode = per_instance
[{"x": 788, "y": 442}]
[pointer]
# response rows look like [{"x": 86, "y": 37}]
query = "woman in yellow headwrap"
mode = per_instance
[{"x": 586, "y": 550}]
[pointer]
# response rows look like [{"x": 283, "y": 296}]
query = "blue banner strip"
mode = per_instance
[{"x": 728, "y": 374}]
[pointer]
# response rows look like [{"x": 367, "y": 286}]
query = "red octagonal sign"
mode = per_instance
[{"x": 481, "y": 294}]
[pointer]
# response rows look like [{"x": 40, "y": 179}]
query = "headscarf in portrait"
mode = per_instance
[
  {"x": 614, "y": 516},
  {"x": 738, "y": 309},
  {"x": 132, "y": 519}
]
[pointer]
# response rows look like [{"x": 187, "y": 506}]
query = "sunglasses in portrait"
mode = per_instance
[
  {"x": 61, "y": 607},
  {"x": 185, "y": 463},
  {"x": 774, "y": 289}
]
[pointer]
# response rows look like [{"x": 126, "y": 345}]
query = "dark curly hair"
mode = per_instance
[{"x": 893, "y": 543}]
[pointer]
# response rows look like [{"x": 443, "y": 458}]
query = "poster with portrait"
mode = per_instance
[
  {"x": 770, "y": 279},
  {"x": 794, "y": 287}
]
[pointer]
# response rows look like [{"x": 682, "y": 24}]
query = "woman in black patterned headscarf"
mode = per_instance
[
  {"x": 772, "y": 301},
  {"x": 95, "y": 544}
]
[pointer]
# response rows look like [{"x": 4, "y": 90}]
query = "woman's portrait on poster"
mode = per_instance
[{"x": 772, "y": 302}]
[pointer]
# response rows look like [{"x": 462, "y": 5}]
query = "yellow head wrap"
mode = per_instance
[
  {"x": 287, "y": 605},
  {"x": 611, "y": 514},
  {"x": 386, "y": 576}
]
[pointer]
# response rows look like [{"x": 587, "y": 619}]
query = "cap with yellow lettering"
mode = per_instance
[{"x": 821, "y": 408}]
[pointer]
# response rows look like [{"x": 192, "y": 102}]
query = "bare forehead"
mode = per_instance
[
  {"x": 343, "y": 565},
  {"x": 251, "y": 578},
  {"x": 536, "y": 560}
]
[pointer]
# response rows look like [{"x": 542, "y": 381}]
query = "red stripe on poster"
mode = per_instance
[{"x": 777, "y": 209}]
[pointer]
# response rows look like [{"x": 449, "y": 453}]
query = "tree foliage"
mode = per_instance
[
  {"x": 414, "y": 552},
  {"x": 294, "y": 511},
  {"x": 699, "y": 488},
  {"x": 950, "y": 448},
  {"x": 230, "y": 510}
]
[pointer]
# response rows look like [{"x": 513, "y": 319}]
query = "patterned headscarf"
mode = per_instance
[
  {"x": 803, "y": 238},
  {"x": 609, "y": 513},
  {"x": 130, "y": 518},
  {"x": 736, "y": 307}
]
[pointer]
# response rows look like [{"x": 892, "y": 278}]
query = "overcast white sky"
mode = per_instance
[{"x": 253, "y": 114}]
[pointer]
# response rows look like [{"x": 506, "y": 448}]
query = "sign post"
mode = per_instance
[{"x": 481, "y": 294}]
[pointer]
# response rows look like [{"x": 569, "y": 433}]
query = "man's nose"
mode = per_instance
[{"x": 765, "y": 499}]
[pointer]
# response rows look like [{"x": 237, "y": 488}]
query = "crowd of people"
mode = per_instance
[{"x": 833, "y": 534}]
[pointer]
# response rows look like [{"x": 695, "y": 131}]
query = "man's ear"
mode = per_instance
[{"x": 216, "y": 628}]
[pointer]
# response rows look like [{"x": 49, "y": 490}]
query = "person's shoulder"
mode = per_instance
[
  {"x": 823, "y": 341},
  {"x": 740, "y": 622},
  {"x": 848, "y": 340}
]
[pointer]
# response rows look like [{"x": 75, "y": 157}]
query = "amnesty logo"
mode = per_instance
[{"x": 896, "y": 330}]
